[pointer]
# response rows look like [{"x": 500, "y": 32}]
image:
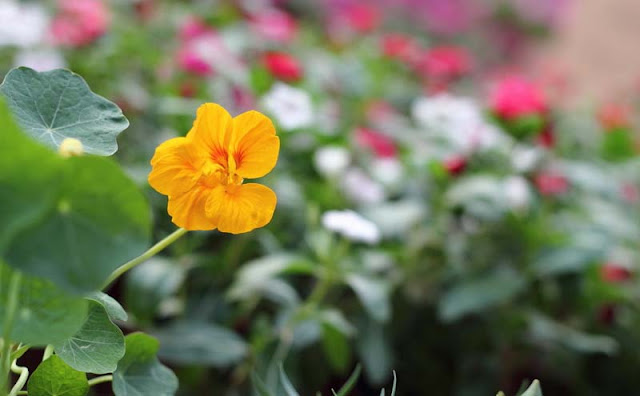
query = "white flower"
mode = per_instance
[
  {"x": 331, "y": 161},
  {"x": 22, "y": 25},
  {"x": 525, "y": 159},
  {"x": 351, "y": 225},
  {"x": 517, "y": 193},
  {"x": 290, "y": 106},
  {"x": 40, "y": 59},
  {"x": 360, "y": 188},
  {"x": 387, "y": 171},
  {"x": 457, "y": 120}
]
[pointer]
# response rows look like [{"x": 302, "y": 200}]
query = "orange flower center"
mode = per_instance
[{"x": 214, "y": 173}]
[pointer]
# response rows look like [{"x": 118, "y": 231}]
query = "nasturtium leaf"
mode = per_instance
[
  {"x": 96, "y": 347},
  {"x": 54, "y": 105},
  {"x": 54, "y": 377},
  {"x": 140, "y": 373},
  {"x": 200, "y": 343},
  {"x": 110, "y": 304},
  {"x": 45, "y": 315},
  {"x": 29, "y": 179},
  {"x": 101, "y": 221}
]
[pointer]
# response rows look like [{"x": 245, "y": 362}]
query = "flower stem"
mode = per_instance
[
  {"x": 153, "y": 250},
  {"x": 100, "y": 380},
  {"x": 9, "y": 316}
]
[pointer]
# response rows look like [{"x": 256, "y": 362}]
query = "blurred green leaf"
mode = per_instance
[
  {"x": 100, "y": 222},
  {"x": 374, "y": 351},
  {"x": 480, "y": 294},
  {"x": 373, "y": 294},
  {"x": 545, "y": 329},
  {"x": 351, "y": 382},
  {"x": 336, "y": 347},
  {"x": 148, "y": 284},
  {"x": 54, "y": 377},
  {"x": 97, "y": 347},
  {"x": 140, "y": 373},
  {"x": 46, "y": 314},
  {"x": 288, "y": 388},
  {"x": 191, "y": 342},
  {"x": 58, "y": 104}
]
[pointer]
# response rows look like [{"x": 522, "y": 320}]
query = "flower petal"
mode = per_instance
[
  {"x": 241, "y": 208},
  {"x": 255, "y": 147},
  {"x": 188, "y": 210},
  {"x": 175, "y": 166},
  {"x": 213, "y": 130}
]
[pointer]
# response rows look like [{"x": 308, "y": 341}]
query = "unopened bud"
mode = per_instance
[{"x": 71, "y": 147}]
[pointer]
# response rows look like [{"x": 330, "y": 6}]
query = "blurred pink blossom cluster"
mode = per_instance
[{"x": 79, "y": 22}]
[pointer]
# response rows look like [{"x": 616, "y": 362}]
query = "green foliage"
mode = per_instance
[
  {"x": 54, "y": 377},
  {"x": 46, "y": 314},
  {"x": 192, "y": 342},
  {"x": 96, "y": 347},
  {"x": 58, "y": 104},
  {"x": 533, "y": 390},
  {"x": 140, "y": 373}
]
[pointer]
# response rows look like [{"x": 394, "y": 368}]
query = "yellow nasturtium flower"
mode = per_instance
[{"x": 203, "y": 172}]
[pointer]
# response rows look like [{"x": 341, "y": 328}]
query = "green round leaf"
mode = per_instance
[
  {"x": 45, "y": 314},
  {"x": 110, "y": 304},
  {"x": 54, "y": 105},
  {"x": 140, "y": 373},
  {"x": 96, "y": 347},
  {"x": 100, "y": 222},
  {"x": 54, "y": 378},
  {"x": 29, "y": 175}
]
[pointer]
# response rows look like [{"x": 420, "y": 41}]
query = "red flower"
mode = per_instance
[
  {"x": 444, "y": 63},
  {"x": 381, "y": 145},
  {"x": 283, "y": 66},
  {"x": 614, "y": 116},
  {"x": 614, "y": 273},
  {"x": 514, "y": 97},
  {"x": 547, "y": 139},
  {"x": 399, "y": 46},
  {"x": 551, "y": 184},
  {"x": 455, "y": 165},
  {"x": 274, "y": 25}
]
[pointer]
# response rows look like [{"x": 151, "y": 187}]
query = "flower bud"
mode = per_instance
[{"x": 71, "y": 147}]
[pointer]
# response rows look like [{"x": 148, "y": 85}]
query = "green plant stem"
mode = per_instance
[
  {"x": 23, "y": 373},
  {"x": 153, "y": 250},
  {"x": 10, "y": 313},
  {"x": 100, "y": 380}
]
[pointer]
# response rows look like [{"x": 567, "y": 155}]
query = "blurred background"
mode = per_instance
[{"x": 458, "y": 187}]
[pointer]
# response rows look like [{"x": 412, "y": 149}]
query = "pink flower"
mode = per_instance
[
  {"x": 283, "y": 66},
  {"x": 551, "y": 183},
  {"x": 274, "y": 25},
  {"x": 363, "y": 17},
  {"x": 193, "y": 28},
  {"x": 514, "y": 97},
  {"x": 79, "y": 22},
  {"x": 630, "y": 193},
  {"x": 444, "y": 63},
  {"x": 191, "y": 61},
  {"x": 546, "y": 138},
  {"x": 614, "y": 273},
  {"x": 614, "y": 116},
  {"x": 399, "y": 46},
  {"x": 381, "y": 145}
]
